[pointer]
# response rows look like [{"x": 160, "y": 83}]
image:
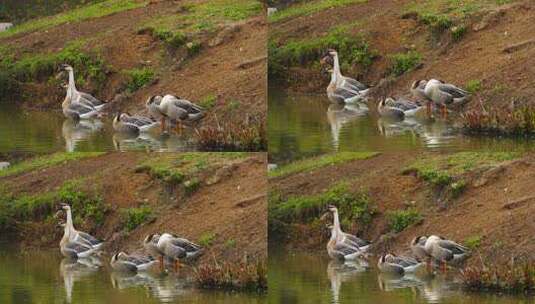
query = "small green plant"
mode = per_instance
[
  {"x": 133, "y": 217},
  {"x": 194, "y": 48},
  {"x": 473, "y": 242},
  {"x": 436, "y": 177},
  {"x": 473, "y": 86},
  {"x": 208, "y": 101},
  {"x": 192, "y": 186},
  {"x": 207, "y": 239},
  {"x": 439, "y": 23},
  {"x": 400, "y": 219},
  {"x": 404, "y": 62},
  {"x": 139, "y": 78},
  {"x": 458, "y": 32},
  {"x": 177, "y": 40},
  {"x": 241, "y": 276},
  {"x": 230, "y": 243},
  {"x": 457, "y": 188},
  {"x": 233, "y": 105},
  {"x": 83, "y": 204}
]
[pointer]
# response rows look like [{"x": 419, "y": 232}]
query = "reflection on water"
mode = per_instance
[
  {"x": 308, "y": 278},
  {"x": 304, "y": 125},
  {"x": 49, "y": 131},
  {"x": 44, "y": 277}
]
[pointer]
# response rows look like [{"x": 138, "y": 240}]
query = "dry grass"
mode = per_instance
[{"x": 242, "y": 276}]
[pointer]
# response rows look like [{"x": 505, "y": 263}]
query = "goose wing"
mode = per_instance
[
  {"x": 354, "y": 84},
  {"x": 187, "y": 105},
  {"x": 341, "y": 93},
  {"x": 137, "y": 120},
  {"x": 76, "y": 247},
  {"x": 452, "y": 90},
  {"x": 80, "y": 109},
  {"x": 185, "y": 244},
  {"x": 356, "y": 240},
  {"x": 91, "y": 99},
  {"x": 89, "y": 238},
  {"x": 453, "y": 247},
  {"x": 404, "y": 261}
]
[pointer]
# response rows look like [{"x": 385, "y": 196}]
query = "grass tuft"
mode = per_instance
[
  {"x": 139, "y": 78},
  {"x": 242, "y": 276},
  {"x": 133, "y": 217},
  {"x": 400, "y": 219},
  {"x": 310, "y": 7},
  {"x": 404, "y": 62},
  {"x": 207, "y": 239}
]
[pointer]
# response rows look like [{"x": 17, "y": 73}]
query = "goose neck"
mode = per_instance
[
  {"x": 337, "y": 66},
  {"x": 72, "y": 86}
]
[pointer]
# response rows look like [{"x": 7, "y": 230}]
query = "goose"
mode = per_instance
[
  {"x": 343, "y": 82},
  {"x": 75, "y": 250},
  {"x": 80, "y": 97},
  {"x": 174, "y": 108},
  {"x": 445, "y": 251},
  {"x": 172, "y": 247},
  {"x": 79, "y": 236},
  {"x": 130, "y": 263},
  {"x": 397, "y": 109},
  {"x": 397, "y": 264},
  {"x": 124, "y": 122},
  {"x": 346, "y": 237},
  {"x": 438, "y": 92},
  {"x": 417, "y": 246}
]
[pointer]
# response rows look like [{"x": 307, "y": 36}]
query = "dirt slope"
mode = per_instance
[
  {"x": 495, "y": 205},
  {"x": 480, "y": 55},
  {"x": 229, "y": 204}
]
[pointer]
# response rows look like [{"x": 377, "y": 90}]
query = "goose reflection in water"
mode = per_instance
[
  {"x": 165, "y": 288},
  {"x": 339, "y": 115},
  {"x": 150, "y": 141},
  {"x": 340, "y": 272},
  {"x": 75, "y": 132},
  {"x": 75, "y": 270}
]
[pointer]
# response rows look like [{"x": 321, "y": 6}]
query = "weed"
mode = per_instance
[
  {"x": 400, "y": 219},
  {"x": 230, "y": 243},
  {"x": 310, "y": 7},
  {"x": 139, "y": 78},
  {"x": 84, "y": 205},
  {"x": 516, "y": 277},
  {"x": 473, "y": 86},
  {"x": 436, "y": 177},
  {"x": 457, "y": 188},
  {"x": 234, "y": 135},
  {"x": 498, "y": 121},
  {"x": 207, "y": 239},
  {"x": 458, "y": 32},
  {"x": 208, "y": 101},
  {"x": 177, "y": 40},
  {"x": 404, "y": 62},
  {"x": 242, "y": 276},
  {"x": 133, "y": 217},
  {"x": 318, "y": 162},
  {"x": 194, "y": 48},
  {"x": 191, "y": 186},
  {"x": 473, "y": 242}
]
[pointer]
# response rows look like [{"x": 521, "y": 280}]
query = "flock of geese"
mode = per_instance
[
  {"x": 425, "y": 93},
  {"x": 426, "y": 250},
  {"x": 78, "y": 245},
  {"x": 79, "y": 106}
]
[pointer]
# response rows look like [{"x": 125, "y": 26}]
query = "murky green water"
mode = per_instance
[
  {"x": 306, "y": 278},
  {"x": 50, "y": 131},
  {"x": 19, "y": 10},
  {"x": 304, "y": 125},
  {"x": 45, "y": 277}
]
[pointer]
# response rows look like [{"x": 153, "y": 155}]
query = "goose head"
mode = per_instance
[
  {"x": 150, "y": 238},
  {"x": 65, "y": 207},
  {"x": 332, "y": 208},
  {"x": 66, "y": 67},
  {"x": 155, "y": 99},
  {"x": 115, "y": 257},
  {"x": 418, "y": 84},
  {"x": 419, "y": 240}
]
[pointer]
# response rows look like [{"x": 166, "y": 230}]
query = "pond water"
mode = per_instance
[
  {"x": 302, "y": 125},
  {"x": 308, "y": 278},
  {"x": 16, "y": 11},
  {"x": 50, "y": 131},
  {"x": 45, "y": 277}
]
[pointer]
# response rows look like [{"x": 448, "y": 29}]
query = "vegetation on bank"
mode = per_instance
[
  {"x": 133, "y": 217},
  {"x": 139, "y": 78},
  {"x": 88, "y": 207},
  {"x": 234, "y": 135},
  {"x": 495, "y": 121},
  {"x": 42, "y": 162},
  {"x": 243, "y": 276},
  {"x": 43, "y": 67},
  {"x": 404, "y": 62},
  {"x": 310, "y": 7},
  {"x": 398, "y": 220},
  {"x": 353, "y": 49},
  {"x": 355, "y": 207},
  {"x": 516, "y": 277},
  {"x": 86, "y": 12},
  {"x": 313, "y": 163}
]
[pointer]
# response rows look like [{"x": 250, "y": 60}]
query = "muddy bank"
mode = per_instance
[
  {"x": 143, "y": 48},
  {"x": 478, "y": 45},
  {"x": 216, "y": 200},
  {"x": 478, "y": 199}
]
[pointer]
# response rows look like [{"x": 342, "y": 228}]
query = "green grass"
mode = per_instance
[
  {"x": 457, "y": 188},
  {"x": 404, "y": 62},
  {"x": 353, "y": 206},
  {"x": 42, "y": 162},
  {"x": 458, "y": 32},
  {"x": 319, "y": 162},
  {"x": 473, "y": 86},
  {"x": 191, "y": 186},
  {"x": 84, "y": 205},
  {"x": 473, "y": 242},
  {"x": 400, "y": 219},
  {"x": 133, "y": 217},
  {"x": 353, "y": 50},
  {"x": 310, "y": 7},
  {"x": 208, "y": 101},
  {"x": 139, "y": 78},
  {"x": 76, "y": 15},
  {"x": 207, "y": 239},
  {"x": 230, "y": 243}
]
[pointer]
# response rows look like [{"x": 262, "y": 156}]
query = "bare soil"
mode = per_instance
[
  {"x": 496, "y": 205},
  {"x": 232, "y": 206}
]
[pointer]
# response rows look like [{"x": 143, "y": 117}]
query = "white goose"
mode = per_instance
[
  {"x": 438, "y": 92},
  {"x": 445, "y": 251},
  {"x": 79, "y": 236},
  {"x": 172, "y": 247},
  {"x": 344, "y": 246},
  {"x": 343, "y": 89},
  {"x": 81, "y": 97},
  {"x": 78, "y": 105},
  {"x": 398, "y": 109},
  {"x": 176, "y": 109}
]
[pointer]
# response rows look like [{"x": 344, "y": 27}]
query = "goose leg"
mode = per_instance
[
  {"x": 162, "y": 124},
  {"x": 429, "y": 109},
  {"x": 443, "y": 266},
  {"x": 444, "y": 111},
  {"x": 161, "y": 263},
  {"x": 177, "y": 265}
]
